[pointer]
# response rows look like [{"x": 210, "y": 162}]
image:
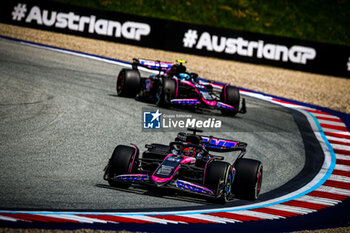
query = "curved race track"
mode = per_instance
[{"x": 61, "y": 119}]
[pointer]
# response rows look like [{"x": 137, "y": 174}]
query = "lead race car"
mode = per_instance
[
  {"x": 188, "y": 165},
  {"x": 174, "y": 85}
]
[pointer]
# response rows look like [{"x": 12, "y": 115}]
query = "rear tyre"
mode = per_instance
[
  {"x": 165, "y": 92},
  {"x": 248, "y": 179},
  {"x": 218, "y": 178},
  {"x": 123, "y": 161},
  {"x": 128, "y": 83},
  {"x": 230, "y": 95}
]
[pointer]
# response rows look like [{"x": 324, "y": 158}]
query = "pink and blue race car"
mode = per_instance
[
  {"x": 175, "y": 86},
  {"x": 188, "y": 165}
]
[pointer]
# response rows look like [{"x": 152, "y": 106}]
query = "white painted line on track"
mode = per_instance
[
  {"x": 258, "y": 214},
  {"x": 293, "y": 209},
  {"x": 332, "y": 123},
  {"x": 343, "y": 157},
  {"x": 341, "y": 132},
  {"x": 153, "y": 219},
  {"x": 335, "y": 190},
  {"x": 319, "y": 200},
  {"x": 211, "y": 218},
  {"x": 338, "y": 139},
  {"x": 342, "y": 167},
  {"x": 5, "y": 218},
  {"x": 76, "y": 218},
  {"x": 340, "y": 147},
  {"x": 340, "y": 178},
  {"x": 325, "y": 115}
]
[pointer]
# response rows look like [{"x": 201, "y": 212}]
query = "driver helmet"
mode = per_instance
[
  {"x": 184, "y": 76},
  {"x": 190, "y": 151}
]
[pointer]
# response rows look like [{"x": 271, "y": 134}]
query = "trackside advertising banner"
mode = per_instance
[{"x": 180, "y": 37}]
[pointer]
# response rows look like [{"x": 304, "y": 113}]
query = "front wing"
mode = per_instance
[{"x": 180, "y": 185}]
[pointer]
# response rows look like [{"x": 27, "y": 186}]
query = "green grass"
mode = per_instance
[{"x": 315, "y": 20}]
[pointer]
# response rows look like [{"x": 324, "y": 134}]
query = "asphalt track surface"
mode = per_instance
[{"x": 61, "y": 120}]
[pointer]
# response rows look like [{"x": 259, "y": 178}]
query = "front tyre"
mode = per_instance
[
  {"x": 230, "y": 95},
  {"x": 128, "y": 83},
  {"x": 218, "y": 178},
  {"x": 123, "y": 161},
  {"x": 165, "y": 92},
  {"x": 248, "y": 179}
]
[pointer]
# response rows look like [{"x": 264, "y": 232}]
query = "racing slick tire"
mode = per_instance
[
  {"x": 218, "y": 178},
  {"x": 248, "y": 179},
  {"x": 230, "y": 95},
  {"x": 123, "y": 161},
  {"x": 128, "y": 83},
  {"x": 165, "y": 92}
]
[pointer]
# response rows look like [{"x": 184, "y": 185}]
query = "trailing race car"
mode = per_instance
[
  {"x": 173, "y": 85},
  {"x": 187, "y": 165}
]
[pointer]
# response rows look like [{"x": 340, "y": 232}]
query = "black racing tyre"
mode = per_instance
[
  {"x": 248, "y": 179},
  {"x": 128, "y": 83},
  {"x": 165, "y": 92},
  {"x": 230, "y": 95},
  {"x": 218, "y": 178},
  {"x": 123, "y": 161}
]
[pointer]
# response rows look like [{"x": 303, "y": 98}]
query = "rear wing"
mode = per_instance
[
  {"x": 151, "y": 64},
  {"x": 223, "y": 145}
]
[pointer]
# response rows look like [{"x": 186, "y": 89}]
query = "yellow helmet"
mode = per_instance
[{"x": 181, "y": 61}]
